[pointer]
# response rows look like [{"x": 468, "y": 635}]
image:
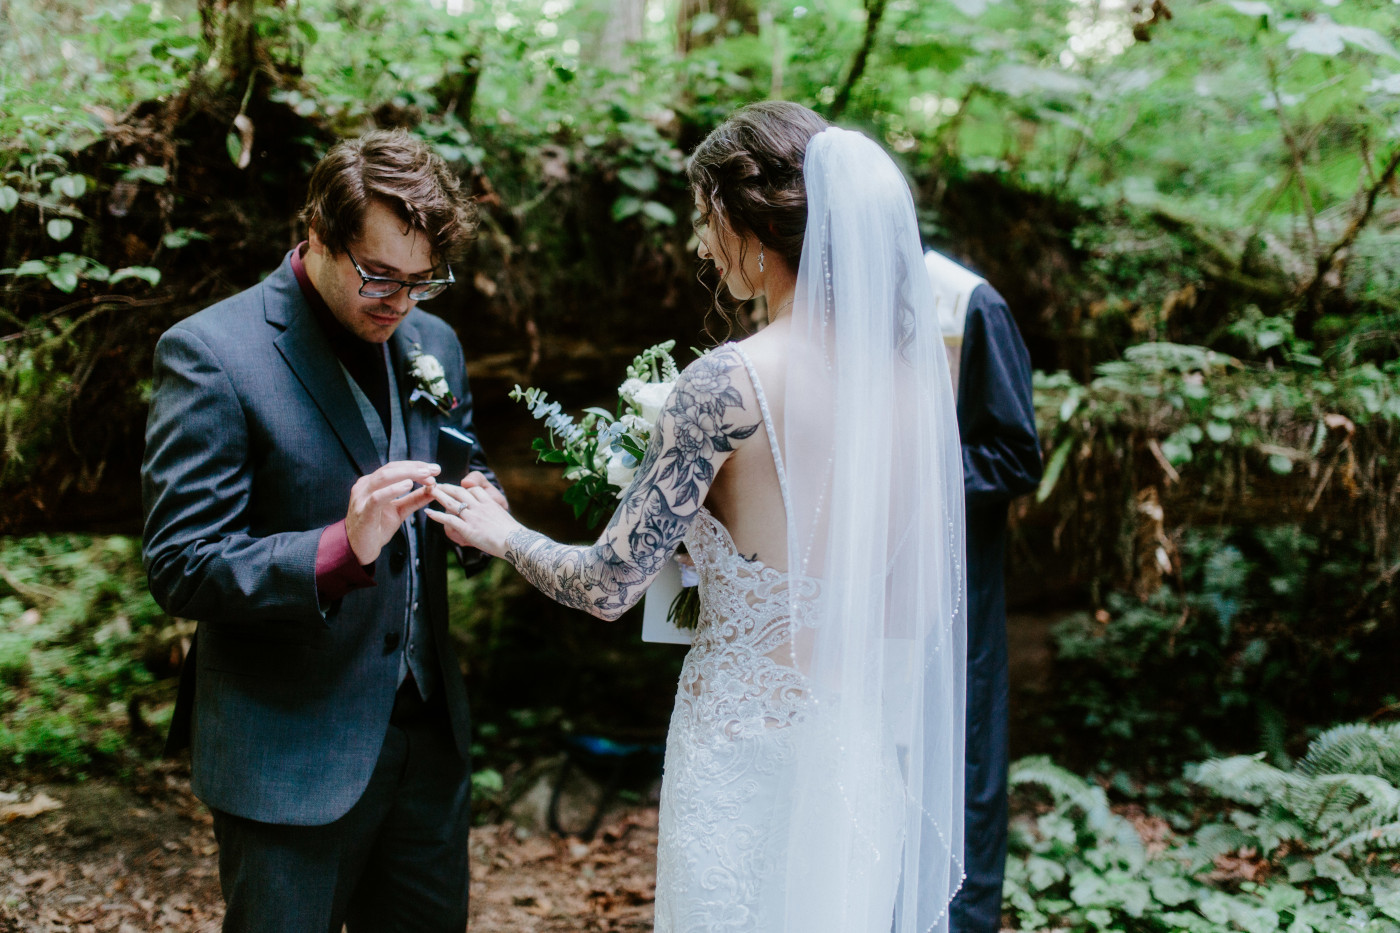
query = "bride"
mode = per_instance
[{"x": 814, "y": 765}]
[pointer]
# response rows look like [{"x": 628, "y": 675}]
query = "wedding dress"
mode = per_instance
[
  {"x": 730, "y": 749},
  {"x": 814, "y": 766}
]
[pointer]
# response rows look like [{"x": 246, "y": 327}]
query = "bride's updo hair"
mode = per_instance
[{"x": 748, "y": 174}]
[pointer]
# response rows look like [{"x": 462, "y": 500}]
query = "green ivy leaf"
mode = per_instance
[
  {"x": 659, "y": 212},
  {"x": 145, "y": 273},
  {"x": 1171, "y": 891},
  {"x": 59, "y": 228},
  {"x": 1053, "y": 469},
  {"x": 151, "y": 174},
  {"x": 1280, "y": 464},
  {"x": 234, "y": 147},
  {"x": 309, "y": 33},
  {"x": 65, "y": 278},
  {"x": 1322, "y": 36},
  {"x": 9, "y": 197},
  {"x": 182, "y": 236},
  {"x": 70, "y": 186},
  {"x": 487, "y": 780},
  {"x": 625, "y": 207},
  {"x": 1219, "y": 431},
  {"x": 32, "y": 267},
  {"x": 1071, "y": 403},
  {"x": 703, "y": 23},
  {"x": 641, "y": 179}
]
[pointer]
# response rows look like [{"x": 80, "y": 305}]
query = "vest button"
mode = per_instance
[
  {"x": 391, "y": 641},
  {"x": 396, "y": 560}
]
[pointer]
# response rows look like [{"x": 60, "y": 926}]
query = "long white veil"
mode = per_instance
[{"x": 876, "y": 516}]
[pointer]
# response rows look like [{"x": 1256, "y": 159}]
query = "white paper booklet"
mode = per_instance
[{"x": 661, "y": 593}]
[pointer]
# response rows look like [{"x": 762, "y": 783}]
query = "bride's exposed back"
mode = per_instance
[{"x": 814, "y": 765}]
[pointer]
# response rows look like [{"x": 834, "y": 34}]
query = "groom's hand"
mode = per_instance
[{"x": 381, "y": 501}]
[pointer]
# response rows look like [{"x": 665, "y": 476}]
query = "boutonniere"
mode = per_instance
[{"x": 430, "y": 381}]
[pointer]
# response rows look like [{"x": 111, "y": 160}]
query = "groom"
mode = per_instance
[{"x": 290, "y": 446}]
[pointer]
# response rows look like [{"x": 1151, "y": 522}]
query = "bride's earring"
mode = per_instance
[{"x": 760, "y": 257}]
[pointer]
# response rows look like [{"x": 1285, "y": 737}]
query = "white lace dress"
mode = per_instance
[{"x": 720, "y": 855}]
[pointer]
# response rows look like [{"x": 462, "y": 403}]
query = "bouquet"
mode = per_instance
[{"x": 601, "y": 451}]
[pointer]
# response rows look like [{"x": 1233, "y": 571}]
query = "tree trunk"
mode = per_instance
[
  {"x": 874, "y": 12},
  {"x": 232, "y": 42},
  {"x": 622, "y": 23},
  {"x": 700, "y": 22}
]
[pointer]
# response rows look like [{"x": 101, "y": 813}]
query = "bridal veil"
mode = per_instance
[{"x": 876, "y": 518}]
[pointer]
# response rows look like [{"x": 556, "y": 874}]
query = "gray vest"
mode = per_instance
[{"x": 418, "y": 653}]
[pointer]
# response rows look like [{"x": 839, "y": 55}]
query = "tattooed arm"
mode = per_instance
[{"x": 710, "y": 411}]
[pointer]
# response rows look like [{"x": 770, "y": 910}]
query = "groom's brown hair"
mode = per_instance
[{"x": 402, "y": 172}]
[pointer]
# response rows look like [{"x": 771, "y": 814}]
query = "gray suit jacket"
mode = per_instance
[{"x": 252, "y": 444}]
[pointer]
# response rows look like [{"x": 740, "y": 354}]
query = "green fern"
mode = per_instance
[
  {"x": 1069, "y": 790},
  {"x": 1341, "y": 797},
  {"x": 1310, "y": 849},
  {"x": 1356, "y": 748}
]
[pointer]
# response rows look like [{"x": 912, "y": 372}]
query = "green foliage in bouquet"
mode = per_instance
[{"x": 600, "y": 452}]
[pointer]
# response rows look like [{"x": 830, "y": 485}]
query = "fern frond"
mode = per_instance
[
  {"x": 1339, "y": 801},
  {"x": 1244, "y": 779},
  {"x": 1355, "y": 748},
  {"x": 1070, "y": 790},
  {"x": 1383, "y": 839}
]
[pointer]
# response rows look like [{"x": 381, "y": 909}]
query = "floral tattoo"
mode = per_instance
[{"x": 704, "y": 418}]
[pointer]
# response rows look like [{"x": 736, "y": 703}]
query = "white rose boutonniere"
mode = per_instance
[{"x": 430, "y": 381}]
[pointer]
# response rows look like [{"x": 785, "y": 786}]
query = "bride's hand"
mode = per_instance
[{"x": 473, "y": 518}]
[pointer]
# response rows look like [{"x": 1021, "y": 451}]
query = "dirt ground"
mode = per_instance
[{"x": 100, "y": 856}]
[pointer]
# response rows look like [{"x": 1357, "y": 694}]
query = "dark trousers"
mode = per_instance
[
  {"x": 977, "y": 908},
  {"x": 397, "y": 861}
]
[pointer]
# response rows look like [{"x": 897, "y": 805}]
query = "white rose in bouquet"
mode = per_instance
[
  {"x": 620, "y": 474},
  {"x": 649, "y": 399},
  {"x": 636, "y": 426}
]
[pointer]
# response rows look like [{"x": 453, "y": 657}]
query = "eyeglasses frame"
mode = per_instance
[{"x": 366, "y": 278}]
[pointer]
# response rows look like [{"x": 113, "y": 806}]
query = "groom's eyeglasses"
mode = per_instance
[{"x": 378, "y": 286}]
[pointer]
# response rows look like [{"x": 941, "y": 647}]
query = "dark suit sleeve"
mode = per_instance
[
  {"x": 472, "y": 560},
  {"x": 202, "y": 562},
  {"x": 996, "y": 413}
]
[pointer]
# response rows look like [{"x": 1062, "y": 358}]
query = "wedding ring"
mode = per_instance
[{"x": 461, "y": 507}]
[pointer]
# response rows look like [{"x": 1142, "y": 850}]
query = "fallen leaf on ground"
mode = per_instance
[{"x": 42, "y": 803}]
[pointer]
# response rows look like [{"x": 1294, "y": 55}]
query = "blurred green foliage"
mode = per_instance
[
  {"x": 79, "y": 636},
  {"x": 1262, "y": 632}
]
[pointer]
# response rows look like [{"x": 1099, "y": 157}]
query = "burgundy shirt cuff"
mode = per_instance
[{"x": 337, "y": 570}]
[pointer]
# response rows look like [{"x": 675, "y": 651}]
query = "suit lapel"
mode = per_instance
[
  {"x": 417, "y": 417},
  {"x": 308, "y": 353},
  {"x": 418, "y": 424}
]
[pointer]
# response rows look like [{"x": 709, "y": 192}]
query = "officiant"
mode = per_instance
[{"x": 1001, "y": 460}]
